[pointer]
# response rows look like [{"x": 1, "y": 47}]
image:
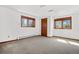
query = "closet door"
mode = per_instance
[{"x": 44, "y": 27}]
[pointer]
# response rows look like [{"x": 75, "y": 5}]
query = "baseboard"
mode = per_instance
[
  {"x": 25, "y": 37},
  {"x": 66, "y": 38},
  {"x": 7, "y": 41},
  {"x": 35, "y": 36},
  {"x": 18, "y": 39}
]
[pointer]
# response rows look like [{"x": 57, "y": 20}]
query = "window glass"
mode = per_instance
[
  {"x": 58, "y": 24},
  {"x": 24, "y": 22},
  {"x": 30, "y": 22},
  {"x": 66, "y": 24}
]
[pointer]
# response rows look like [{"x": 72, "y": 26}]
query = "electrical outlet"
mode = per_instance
[{"x": 8, "y": 36}]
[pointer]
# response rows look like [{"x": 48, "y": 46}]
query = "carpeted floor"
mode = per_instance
[{"x": 41, "y": 45}]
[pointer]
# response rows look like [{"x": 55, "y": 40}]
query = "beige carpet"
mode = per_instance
[{"x": 41, "y": 45}]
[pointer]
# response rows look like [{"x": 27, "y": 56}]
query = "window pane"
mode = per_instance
[
  {"x": 66, "y": 24},
  {"x": 30, "y": 22},
  {"x": 24, "y": 22},
  {"x": 58, "y": 24}
]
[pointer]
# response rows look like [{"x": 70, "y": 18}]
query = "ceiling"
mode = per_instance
[{"x": 45, "y": 10}]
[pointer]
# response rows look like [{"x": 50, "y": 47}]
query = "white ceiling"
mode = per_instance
[{"x": 45, "y": 10}]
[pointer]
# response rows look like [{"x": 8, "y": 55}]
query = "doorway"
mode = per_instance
[{"x": 44, "y": 27}]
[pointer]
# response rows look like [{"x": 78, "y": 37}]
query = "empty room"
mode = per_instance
[{"x": 39, "y": 29}]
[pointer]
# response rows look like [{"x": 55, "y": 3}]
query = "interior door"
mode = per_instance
[{"x": 44, "y": 27}]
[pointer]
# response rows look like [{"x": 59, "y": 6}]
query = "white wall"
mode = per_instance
[
  {"x": 10, "y": 25},
  {"x": 68, "y": 33},
  {"x": 50, "y": 26}
]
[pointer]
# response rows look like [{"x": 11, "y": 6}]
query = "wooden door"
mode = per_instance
[{"x": 44, "y": 27}]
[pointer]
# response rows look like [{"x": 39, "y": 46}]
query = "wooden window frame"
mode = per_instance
[
  {"x": 28, "y": 18},
  {"x": 62, "y": 19}
]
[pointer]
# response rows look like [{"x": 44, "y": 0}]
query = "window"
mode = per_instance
[
  {"x": 63, "y": 23},
  {"x": 27, "y": 21}
]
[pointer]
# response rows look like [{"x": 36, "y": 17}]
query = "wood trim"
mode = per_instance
[
  {"x": 65, "y": 38},
  {"x": 62, "y": 19},
  {"x": 29, "y": 18},
  {"x": 18, "y": 39},
  {"x": 71, "y": 22},
  {"x": 8, "y": 41}
]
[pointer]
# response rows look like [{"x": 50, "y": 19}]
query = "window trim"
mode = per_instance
[
  {"x": 62, "y": 19},
  {"x": 28, "y": 18}
]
